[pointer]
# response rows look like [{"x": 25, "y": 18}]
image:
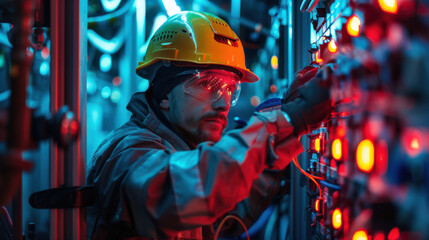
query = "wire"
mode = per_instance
[
  {"x": 330, "y": 185},
  {"x": 311, "y": 177},
  {"x": 223, "y": 222}
]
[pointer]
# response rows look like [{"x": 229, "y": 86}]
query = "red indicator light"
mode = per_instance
[
  {"x": 379, "y": 236},
  {"x": 390, "y": 6},
  {"x": 336, "y": 219},
  {"x": 332, "y": 46},
  {"x": 415, "y": 144},
  {"x": 353, "y": 26},
  {"x": 255, "y": 101},
  {"x": 413, "y": 140},
  {"x": 317, "y": 144},
  {"x": 381, "y": 157},
  {"x": 45, "y": 53},
  {"x": 393, "y": 234},
  {"x": 117, "y": 81},
  {"x": 365, "y": 155},
  {"x": 336, "y": 149},
  {"x": 341, "y": 131},
  {"x": 74, "y": 128},
  {"x": 317, "y": 57},
  {"x": 360, "y": 235}
]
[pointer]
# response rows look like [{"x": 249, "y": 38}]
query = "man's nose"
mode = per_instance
[{"x": 223, "y": 103}]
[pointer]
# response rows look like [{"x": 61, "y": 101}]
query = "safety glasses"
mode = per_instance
[{"x": 211, "y": 85}]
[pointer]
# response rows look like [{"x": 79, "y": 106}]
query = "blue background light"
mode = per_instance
[
  {"x": 116, "y": 96},
  {"x": 110, "y": 5},
  {"x": 44, "y": 69},
  {"x": 106, "y": 91},
  {"x": 105, "y": 62}
]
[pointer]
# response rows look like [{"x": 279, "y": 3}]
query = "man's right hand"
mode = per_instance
[{"x": 311, "y": 107}]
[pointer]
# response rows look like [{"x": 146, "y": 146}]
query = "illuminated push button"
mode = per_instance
[
  {"x": 318, "y": 205},
  {"x": 365, "y": 155},
  {"x": 353, "y": 26},
  {"x": 332, "y": 46},
  {"x": 337, "y": 219},
  {"x": 360, "y": 235},
  {"x": 317, "y": 144},
  {"x": 337, "y": 149},
  {"x": 317, "y": 57},
  {"x": 390, "y": 6}
]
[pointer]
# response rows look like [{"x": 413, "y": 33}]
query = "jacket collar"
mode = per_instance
[{"x": 141, "y": 110}]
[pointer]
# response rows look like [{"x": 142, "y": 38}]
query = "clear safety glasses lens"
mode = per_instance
[{"x": 211, "y": 85}]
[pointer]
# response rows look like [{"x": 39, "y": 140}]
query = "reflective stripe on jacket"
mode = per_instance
[{"x": 150, "y": 184}]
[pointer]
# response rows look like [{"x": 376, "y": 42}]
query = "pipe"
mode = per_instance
[{"x": 19, "y": 113}]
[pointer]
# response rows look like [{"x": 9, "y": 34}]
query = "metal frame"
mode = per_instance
[
  {"x": 68, "y": 87},
  {"x": 298, "y": 42}
]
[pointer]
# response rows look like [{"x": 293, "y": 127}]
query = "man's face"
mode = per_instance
[{"x": 198, "y": 114}]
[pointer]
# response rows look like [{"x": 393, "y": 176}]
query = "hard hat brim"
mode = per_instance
[{"x": 145, "y": 69}]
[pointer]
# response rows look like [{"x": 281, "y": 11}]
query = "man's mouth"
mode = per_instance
[{"x": 220, "y": 120}]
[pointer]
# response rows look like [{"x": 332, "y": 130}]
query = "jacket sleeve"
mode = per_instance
[{"x": 163, "y": 192}]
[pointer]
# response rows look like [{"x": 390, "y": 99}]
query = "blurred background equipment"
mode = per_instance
[
  {"x": 68, "y": 68},
  {"x": 371, "y": 159}
]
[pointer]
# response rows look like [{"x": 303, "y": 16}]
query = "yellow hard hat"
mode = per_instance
[{"x": 195, "y": 38}]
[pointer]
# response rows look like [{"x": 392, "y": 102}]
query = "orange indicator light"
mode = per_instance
[
  {"x": 317, "y": 144},
  {"x": 336, "y": 149},
  {"x": 275, "y": 62},
  {"x": 317, "y": 56},
  {"x": 316, "y": 205},
  {"x": 353, "y": 26},
  {"x": 336, "y": 219},
  {"x": 365, "y": 155},
  {"x": 390, "y": 6},
  {"x": 332, "y": 46},
  {"x": 360, "y": 235}
]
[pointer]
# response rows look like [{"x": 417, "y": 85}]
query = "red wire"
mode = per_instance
[
  {"x": 311, "y": 177},
  {"x": 223, "y": 222}
]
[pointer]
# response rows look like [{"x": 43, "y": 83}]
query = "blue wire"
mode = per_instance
[
  {"x": 256, "y": 227},
  {"x": 262, "y": 220},
  {"x": 330, "y": 185}
]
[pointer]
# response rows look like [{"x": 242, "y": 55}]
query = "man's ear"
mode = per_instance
[{"x": 164, "y": 104}]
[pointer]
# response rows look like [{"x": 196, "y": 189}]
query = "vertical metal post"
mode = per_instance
[
  {"x": 68, "y": 87},
  {"x": 298, "y": 42},
  {"x": 57, "y": 88},
  {"x": 19, "y": 114}
]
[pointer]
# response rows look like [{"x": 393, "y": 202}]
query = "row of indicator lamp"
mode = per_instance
[
  {"x": 364, "y": 152},
  {"x": 337, "y": 220},
  {"x": 353, "y": 27},
  {"x": 362, "y": 234}
]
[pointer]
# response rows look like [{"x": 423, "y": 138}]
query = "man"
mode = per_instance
[{"x": 169, "y": 173}]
